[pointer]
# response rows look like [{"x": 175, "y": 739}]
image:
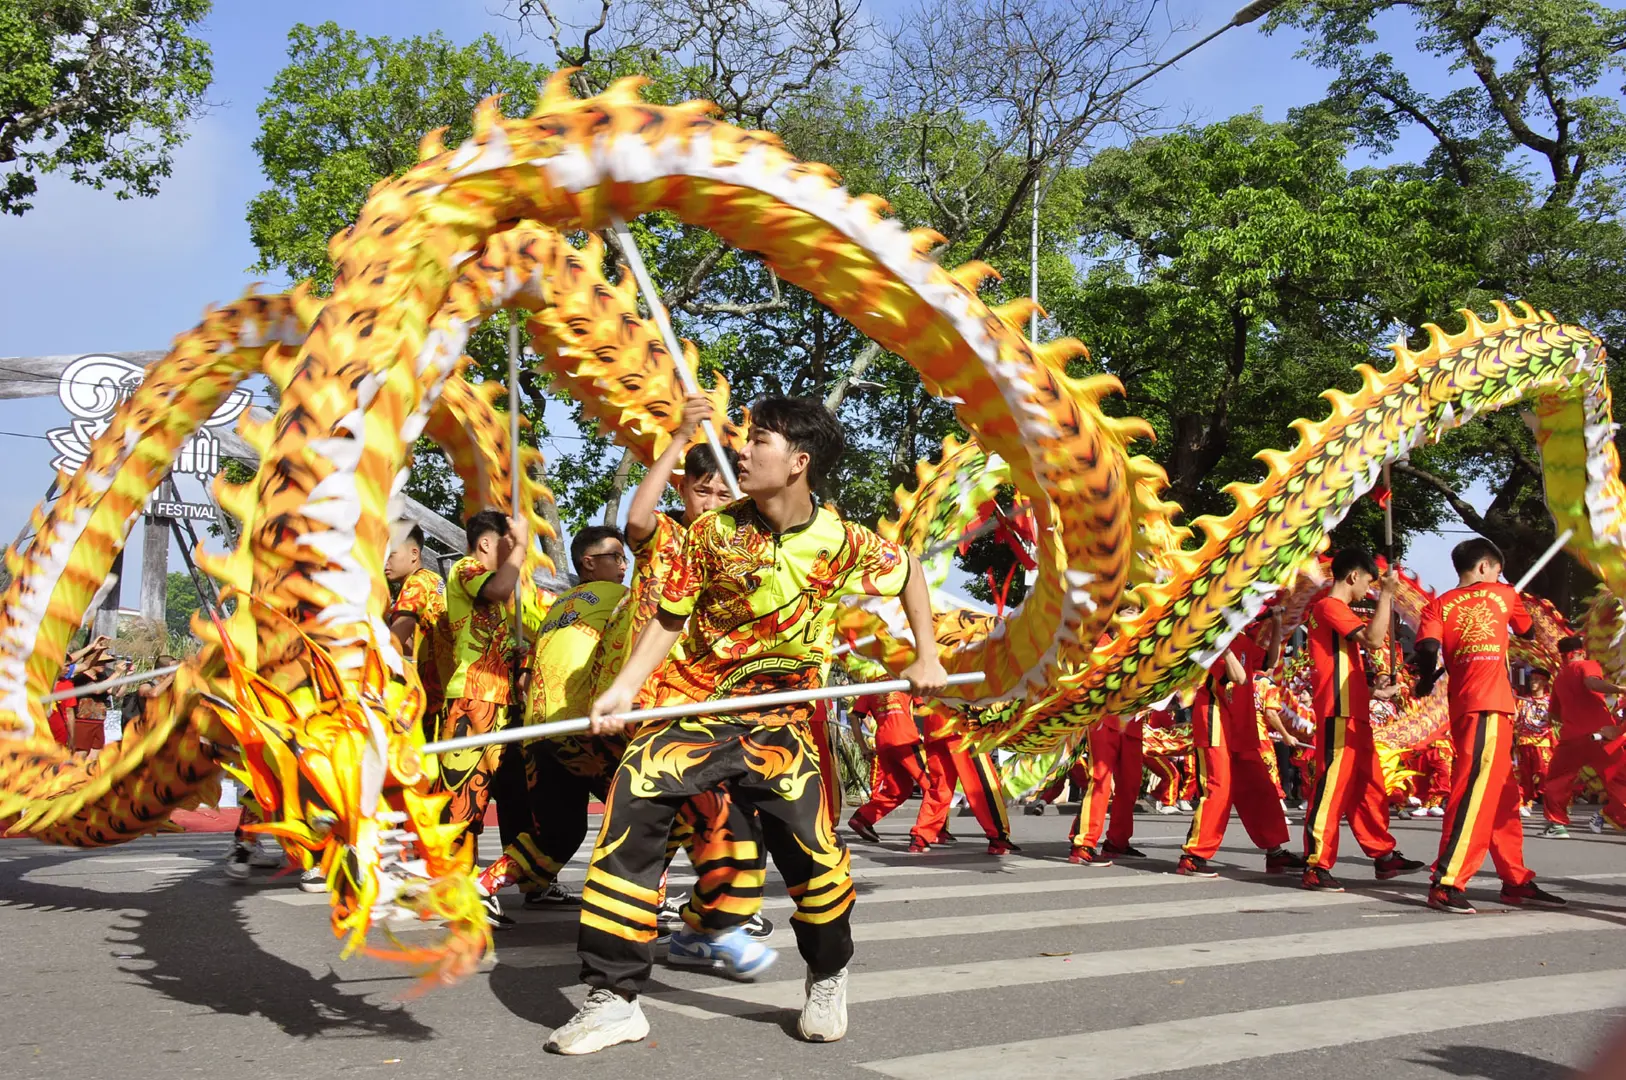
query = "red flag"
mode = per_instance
[{"x": 1381, "y": 495}]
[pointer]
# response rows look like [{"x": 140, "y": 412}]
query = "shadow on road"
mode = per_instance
[
  {"x": 1490, "y": 1063},
  {"x": 193, "y": 946}
]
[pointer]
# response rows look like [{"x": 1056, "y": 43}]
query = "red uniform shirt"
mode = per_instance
[
  {"x": 1471, "y": 624},
  {"x": 1337, "y": 672},
  {"x": 894, "y": 718},
  {"x": 1231, "y": 703},
  {"x": 1580, "y": 711}
]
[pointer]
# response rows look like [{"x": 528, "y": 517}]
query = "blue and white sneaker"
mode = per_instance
[{"x": 735, "y": 953}]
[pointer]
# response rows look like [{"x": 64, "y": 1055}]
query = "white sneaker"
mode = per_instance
[
  {"x": 312, "y": 880},
  {"x": 1168, "y": 808},
  {"x": 605, "y": 1018},
  {"x": 1184, "y": 805},
  {"x": 1414, "y": 801},
  {"x": 1436, "y": 811},
  {"x": 824, "y": 1017},
  {"x": 267, "y": 855},
  {"x": 1524, "y": 811},
  {"x": 1596, "y": 823}
]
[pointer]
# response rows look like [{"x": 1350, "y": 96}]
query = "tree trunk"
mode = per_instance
[{"x": 618, "y": 487}]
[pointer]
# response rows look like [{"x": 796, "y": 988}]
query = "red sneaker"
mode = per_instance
[
  {"x": 1083, "y": 856},
  {"x": 1531, "y": 895},
  {"x": 1194, "y": 866},
  {"x": 1002, "y": 847},
  {"x": 1451, "y": 901},
  {"x": 917, "y": 846}
]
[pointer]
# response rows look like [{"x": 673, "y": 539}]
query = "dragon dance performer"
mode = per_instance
[
  {"x": 1163, "y": 758},
  {"x": 1467, "y": 628},
  {"x": 1587, "y": 737},
  {"x": 564, "y": 774},
  {"x": 1351, "y": 774},
  {"x": 479, "y": 611},
  {"x": 951, "y": 763},
  {"x": 900, "y": 762},
  {"x": 756, "y": 585},
  {"x": 1225, "y": 728},
  {"x": 1115, "y": 771},
  {"x": 1533, "y": 740},
  {"x": 418, "y": 624}
]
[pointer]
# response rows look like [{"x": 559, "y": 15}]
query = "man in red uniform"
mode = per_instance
[
  {"x": 900, "y": 760},
  {"x": 1116, "y": 756},
  {"x": 950, "y": 763},
  {"x": 1225, "y": 729},
  {"x": 1468, "y": 628},
  {"x": 1586, "y": 736},
  {"x": 1351, "y": 775}
]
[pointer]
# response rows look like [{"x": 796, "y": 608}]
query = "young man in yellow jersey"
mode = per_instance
[
  {"x": 417, "y": 622},
  {"x": 753, "y": 596}
]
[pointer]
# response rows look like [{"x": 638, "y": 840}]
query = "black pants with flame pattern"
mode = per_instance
[{"x": 773, "y": 769}]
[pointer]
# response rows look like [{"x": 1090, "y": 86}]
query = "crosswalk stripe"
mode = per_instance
[
  {"x": 867, "y": 987},
  {"x": 1257, "y": 1033},
  {"x": 1010, "y": 921}
]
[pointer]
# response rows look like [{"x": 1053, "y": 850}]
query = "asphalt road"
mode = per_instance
[{"x": 142, "y": 961}]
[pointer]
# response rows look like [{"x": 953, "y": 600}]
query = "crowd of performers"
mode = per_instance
[{"x": 734, "y": 598}]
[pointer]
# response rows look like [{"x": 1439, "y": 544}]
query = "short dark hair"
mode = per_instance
[
  {"x": 807, "y": 426},
  {"x": 414, "y": 535},
  {"x": 700, "y": 462},
  {"x": 1353, "y": 559},
  {"x": 593, "y": 534},
  {"x": 486, "y": 521},
  {"x": 1571, "y": 644},
  {"x": 1466, "y": 555}
]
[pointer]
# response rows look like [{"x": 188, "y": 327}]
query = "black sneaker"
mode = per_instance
[
  {"x": 1280, "y": 861},
  {"x": 1194, "y": 866},
  {"x": 863, "y": 831},
  {"x": 1451, "y": 901},
  {"x": 1393, "y": 865},
  {"x": 494, "y": 916},
  {"x": 1034, "y": 809},
  {"x": 554, "y": 896},
  {"x": 1531, "y": 895},
  {"x": 237, "y": 862},
  {"x": 1126, "y": 852},
  {"x": 758, "y": 926},
  {"x": 1318, "y": 880}
]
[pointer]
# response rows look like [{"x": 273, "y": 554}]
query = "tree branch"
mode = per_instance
[{"x": 1470, "y": 517}]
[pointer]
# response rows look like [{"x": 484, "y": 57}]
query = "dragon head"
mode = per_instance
[{"x": 337, "y": 769}]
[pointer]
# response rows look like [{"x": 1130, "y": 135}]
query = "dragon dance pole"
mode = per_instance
[
  {"x": 1546, "y": 557},
  {"x": 1389, "y": 554},
  {"x": 514, "y": 465},
  {"x": 692, "y": 708},
  {"x": 657, "y": 310},
  {"x": 111, "y": 684}
]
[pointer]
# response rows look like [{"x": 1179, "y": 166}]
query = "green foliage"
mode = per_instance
[
  {"x": 180, "y": 601},
  {"x": 100, "y": 89}
]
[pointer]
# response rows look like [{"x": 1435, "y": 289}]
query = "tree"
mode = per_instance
[
  {"x": 347, "y": 112},
  {"x": 180, "y": 601},
  {"x": 100, "y": 89},
  {"x": 1238, "y": 270},
  {"x": 1532, "y": 141}
]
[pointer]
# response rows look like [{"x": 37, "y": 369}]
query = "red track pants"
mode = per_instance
[
  {"x": 948, "y": 763},
  {"x": 897, "y": 770},
  {"x": 1227, "y": 778},
  {"x": 1569, "y": 758},
  {"x": 1167, "y": 789},
  {"x": 1351, "y": 786},
  {"x": 1482, "y": 813},
  {"x": 1115, "y": 773},
  {"x": 828, "y": 772}
]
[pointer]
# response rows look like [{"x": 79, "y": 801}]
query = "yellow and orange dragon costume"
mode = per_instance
[{"x": 300, "y": 692}]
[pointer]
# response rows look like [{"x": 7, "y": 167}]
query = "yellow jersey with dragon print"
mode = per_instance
[
  {"x": 423, "y": 596},
  {"x": 653, "y": 559},
  {"x": 562, "y": 659},
  {"x": 482, "y": 633},
  {"x": 761, "y": 605}
]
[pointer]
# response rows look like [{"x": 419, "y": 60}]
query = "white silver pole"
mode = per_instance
[
  {"x": 1546, "y": 557},
  {"x": 692, "y": 708},
  {"x": 513, "y": 451},
  {"x": 646, "y": 285},
  {"x": 111, "y": 684}
]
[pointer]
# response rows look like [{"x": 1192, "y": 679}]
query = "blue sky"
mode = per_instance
[{"x": 85, "y": 272}]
